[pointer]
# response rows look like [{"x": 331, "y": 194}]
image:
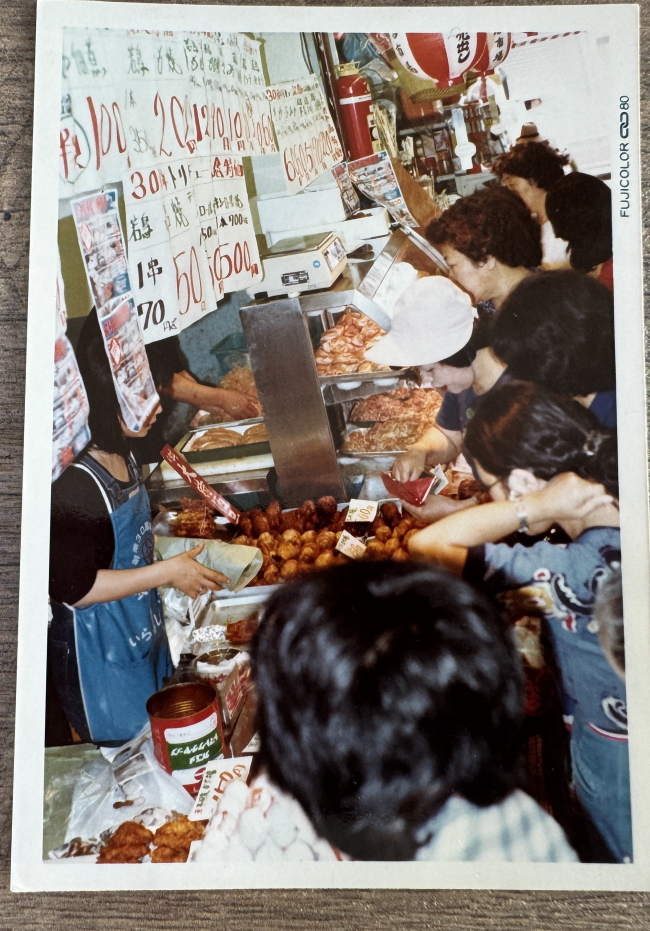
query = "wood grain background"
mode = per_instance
[{"x": 302, "y": 910}]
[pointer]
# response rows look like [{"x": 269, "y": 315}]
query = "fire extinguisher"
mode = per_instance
[{"x": 356, "y": 111}]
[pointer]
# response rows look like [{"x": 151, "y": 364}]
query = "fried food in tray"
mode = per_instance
[
  {"x": 342, "y": 348},
  {"x": 223, "y": 437},
  {"x": 129, "y": 844},
  {"x": 195, "y": 519},
  {"x": 409, "y": 404},
  {"x": 387, "y": 436},
  {"x": 177, "y": 834}
]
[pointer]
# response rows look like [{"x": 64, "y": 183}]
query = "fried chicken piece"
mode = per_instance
[
  {"x": 375, "y": 551},
  {"x": 260, "y": 523},
  {"x": 402, "y": 528},
  {"x": 400, "y": 555},
  {"x": 132, "y": 853},
  {"x": 291, "y": 536},
  {"x": 325, "y": 559},
  {"x": 169, "y": 855},
  {"x": 246, "y": 525},
  {"x": 326, "y": 509},
  {"x": 392, "y": 545},
  {"x": 309, "y": 536},
  {"x": 274, "y": 515},
  {"x": 391, "y": 514},
  {"x": 289, "y": 569},
  {"x": 243, "y": 541},
  {"x": 309, "y": 553},
  {"x": 267, "y": 539},
  {"x": 308, "y": 514},
  {"x": 383, "y": 533},
  {"x": 271, "y": 576},
  {"x": 130, "y": 833},
  {"x": 178, "y": 833},
  {"x": 326, "y": 540},
  {"x": 289, "y": 550}
]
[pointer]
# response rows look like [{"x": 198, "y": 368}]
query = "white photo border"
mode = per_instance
[{"x": 29, "y": 872}]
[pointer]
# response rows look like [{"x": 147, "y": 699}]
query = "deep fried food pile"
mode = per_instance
[
  {"x": 238, "y": 379},
  {"x": 412, "y": 404},
  {"x": 132, "y": 841},
  {"x": 242, "y": 631},
  {"x": 297, "y": 542},
  {"x": 195, "y": 519},
  {"x": 342, "y": 348},
  {"x": 129, "y": 844}
]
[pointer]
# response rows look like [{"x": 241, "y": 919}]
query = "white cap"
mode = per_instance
[{"x": 432, "y": 320}]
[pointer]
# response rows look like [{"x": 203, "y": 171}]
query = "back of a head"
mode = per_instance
[
  {"x": 534, "y": 161},
  {"x": 579, "y": 207},
  {"x": 491, "y": 221},
  {"x": 557, "y": 329},
  {"x": 383, "y": 689},
  {"x": 104, "y": 418},
  {"x": 521, "y": 426}
]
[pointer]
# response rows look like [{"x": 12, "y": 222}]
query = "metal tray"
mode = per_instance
[
  {"x": 246, "y": 450},
  {"x": 385, "y": 380}
]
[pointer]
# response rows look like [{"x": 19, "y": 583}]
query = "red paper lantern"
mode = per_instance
[
  {"x": 440, "y": 57},
  {"x": 493, "y": 52}
]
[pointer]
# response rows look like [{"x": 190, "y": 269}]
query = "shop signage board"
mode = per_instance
[
  {"x": 190, "y": 239},
  {"x": 136, "y": 99},
  {"x": 306, "y": 136},
  {"x": 104, "y": 256}
]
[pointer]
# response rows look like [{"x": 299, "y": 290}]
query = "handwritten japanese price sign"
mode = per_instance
[
  {"x": 350, "y": 546},
  {"x": 134, "y": 99},
  {"x": 217, "y": 777},
  {"x": 363, "y": 511},
  {"x": 185, "y": 470},
  {"x": 304, "y": 129},
  {"x": 190, "y": 238}
]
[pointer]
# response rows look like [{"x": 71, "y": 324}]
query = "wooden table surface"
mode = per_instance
[{"x": 302, "y": 910}]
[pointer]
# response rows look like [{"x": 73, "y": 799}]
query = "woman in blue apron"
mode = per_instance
[{"x": 107, "y": 646}]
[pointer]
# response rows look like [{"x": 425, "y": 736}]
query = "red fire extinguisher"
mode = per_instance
[{"x": 355, "y": 109}]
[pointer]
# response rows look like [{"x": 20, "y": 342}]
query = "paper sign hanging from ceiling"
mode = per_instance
[
  {"x": 70, "y": 433},
  {"x": 375, "y": 177},
  {"x": 102, "y": 249},
  {"x": 306, "y": 136},
  {"x": 190, "y": 239},
  {"x": 135, "y": 99}
]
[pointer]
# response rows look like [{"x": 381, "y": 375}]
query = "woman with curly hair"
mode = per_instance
[
  {"x": 490, "y": 243},
  {"x": 530, "y": 170}
]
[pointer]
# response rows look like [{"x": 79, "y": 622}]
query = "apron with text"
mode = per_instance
[{"x": 117, "y": 652}]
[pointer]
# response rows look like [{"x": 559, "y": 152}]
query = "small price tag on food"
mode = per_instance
[
  {"x": 218, "y": 774},
  {"x": 361, "y": 511},
  {"x": 192, "y": 477},
  {"x": 440, "y": 480},
  {"x": 350, "y": 546}
]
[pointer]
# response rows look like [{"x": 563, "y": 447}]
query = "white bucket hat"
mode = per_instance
[{"x": 432, "y": 320}]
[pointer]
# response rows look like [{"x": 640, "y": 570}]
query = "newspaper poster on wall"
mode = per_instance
[
  {"x": 102, "y": 248},
  {"x": 307, "y": 139},
  {"x": 70, "y": 433},
  {"x": 375, "y": 177}
]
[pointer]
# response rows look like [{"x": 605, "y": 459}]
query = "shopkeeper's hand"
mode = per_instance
[
  {"x": 409, "y": 465},
  {"x": 190, "y": 577},
  {"x": 240, "y": 406}
]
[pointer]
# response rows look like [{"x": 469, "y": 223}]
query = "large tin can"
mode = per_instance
[{"x": 186, "y": 730}]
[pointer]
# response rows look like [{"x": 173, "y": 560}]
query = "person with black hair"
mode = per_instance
[
  {"x": 546, "y": 460},
  {"x": 107, "y": 646},
  {"x": 556, "y": 329},
  {"x": 529, "y": 170},
  {"x": 490, "y": 243},
  {"x": 579, "y": 207},
  {"x": 401, "y": 741}
]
